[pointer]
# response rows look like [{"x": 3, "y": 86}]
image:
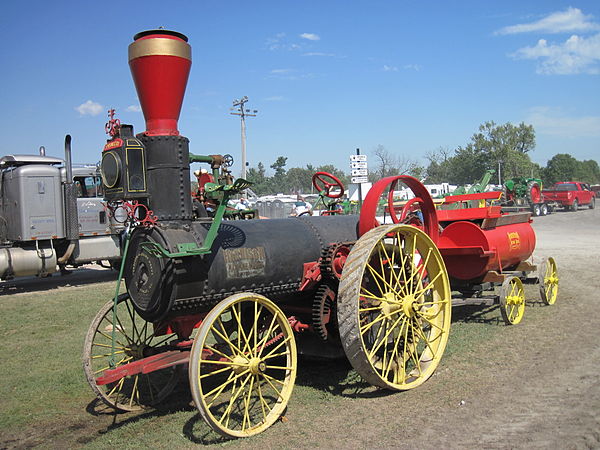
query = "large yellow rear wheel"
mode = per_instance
[
  {"x": 548, "y": 277},
  {"x": 243, "y": 365},
  {"x": 394, "y": 307},
  {"x": 512, "y": 300}
]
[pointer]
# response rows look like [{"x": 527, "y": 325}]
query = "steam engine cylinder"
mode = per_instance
[{"x": 262, "y": 256}]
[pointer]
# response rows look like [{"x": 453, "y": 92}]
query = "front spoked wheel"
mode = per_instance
[
  {"x": 243, "y": 365},
  {"x": 134, "y": 339},
  {"x": 394, "y": 307},
  {"x": 548, "y": 279}
]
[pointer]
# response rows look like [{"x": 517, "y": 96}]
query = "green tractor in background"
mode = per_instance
[
  {"x": 475, "y": 188},
  {"x": 525, "y": 192}
]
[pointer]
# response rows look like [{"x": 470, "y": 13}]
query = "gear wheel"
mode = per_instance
[
  {"x": 322, "y": 310},
  {"x": 333, "y": 258}
]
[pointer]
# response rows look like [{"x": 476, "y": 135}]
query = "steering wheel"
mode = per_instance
[
  {"x": 368, "y": 212},
  {"x": 325, "y": 182},
  {"x": 407, "y": 209},
  {"x": 227, "y": 160}
]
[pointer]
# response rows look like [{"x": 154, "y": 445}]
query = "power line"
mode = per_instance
[{"x": 239, "y": 109}]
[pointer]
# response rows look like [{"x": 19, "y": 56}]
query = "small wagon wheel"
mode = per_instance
[
  {"x": 243, "y": 365},
  {"x": 394, "y": 307},
  {"x": 548, "y": 278},
  {"x": 512, "y": 300},
  {"x": 135, "y": 339}
]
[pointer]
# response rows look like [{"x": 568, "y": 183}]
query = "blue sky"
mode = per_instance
[{"x": 326, "y": 76}]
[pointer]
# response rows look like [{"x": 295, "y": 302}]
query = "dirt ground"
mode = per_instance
[
  {"x": 534, "y": 385},
  {"x": 548, "y": 393}
]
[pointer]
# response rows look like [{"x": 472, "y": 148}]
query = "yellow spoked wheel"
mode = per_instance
[
  {"x": 394, "y": 307},
  {"x": 512, "y": 300},
  {"x": 243, "y": 365},
  {"x": 135, "y": 339},
  {"x": 548, "y": 277}
]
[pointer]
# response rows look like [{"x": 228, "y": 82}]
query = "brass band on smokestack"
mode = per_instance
[{"x": 160, "y": 62}]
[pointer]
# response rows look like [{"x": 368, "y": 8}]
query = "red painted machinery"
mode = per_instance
[{"x": 234, "y": 301}]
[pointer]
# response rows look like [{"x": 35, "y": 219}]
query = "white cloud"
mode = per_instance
[
  {"x": 310, "y": 36},
  {"x": 415, "y": 67},
  {"x": 134, "y": 108},
  {"x": 281, "y": 71},
  {"x": 552, "y": 121},
  {"x": 279, "y": 42},
  {"x": 275, "y": 43},
  {"x": 318, "y": 54},
  {"x": 576, "y": 55},
  {"x": 569, "y": 21},
  {"x": 289, "y": 74},
  {"x": 89, "y": 108},
  {"x": 387, "y": 68}
]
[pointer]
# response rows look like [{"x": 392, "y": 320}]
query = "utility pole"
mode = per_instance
[
  {"x": 238, "y": 109},
  {"x": 500, "y": 172}
]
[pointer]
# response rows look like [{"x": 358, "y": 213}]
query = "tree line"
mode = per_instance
[{"x": 504, "y": 148}]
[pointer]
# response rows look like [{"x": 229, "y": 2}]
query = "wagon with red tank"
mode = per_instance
[{"x": 233, "y": 302}]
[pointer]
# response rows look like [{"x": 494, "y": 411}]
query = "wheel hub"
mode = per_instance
[
  {"x": 240, "y": 364},
  {"x": 513, "y": 300},
  {"x": 390, "y": 304},
  {"x": 137, "y": 351},
  {"x": 257, "y": 366},
  {"x": 408, "y": 306}
]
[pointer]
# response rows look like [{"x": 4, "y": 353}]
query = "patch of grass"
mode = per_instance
[
  {"x": 40, "y": 349},
  {"x": 44, "y": 390}
]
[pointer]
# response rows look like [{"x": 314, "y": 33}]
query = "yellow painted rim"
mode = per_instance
[
  {"x": 549, "y": 281},
  {"x": 512, "y": 300},
  {"x": 134, "y": 336},
  {"x": 402, "y": 306},
  {"x": 243, "y": 365}
]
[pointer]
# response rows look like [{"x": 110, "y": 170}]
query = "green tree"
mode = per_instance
[
  {"x": 278, "y": 182},
  {"x": 507, "y": 145},
  {"x": 258, "y": 177},
  {"x": 589, "y": 172},
  {"x": 298, "y": 180},
  {"x": 564, "y": 167},
  {"x": 561, "y": 167}
]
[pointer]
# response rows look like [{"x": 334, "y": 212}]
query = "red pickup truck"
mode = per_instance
[{"x": 570, "y": 195}]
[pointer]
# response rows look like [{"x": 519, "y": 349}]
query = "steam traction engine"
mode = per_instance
[{"x": 235, "y": 300}]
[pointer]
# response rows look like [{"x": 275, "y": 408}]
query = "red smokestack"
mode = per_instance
[{"x": 160, "y": 62}]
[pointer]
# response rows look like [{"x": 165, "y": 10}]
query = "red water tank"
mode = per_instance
[{"x": 470, "y": 251}]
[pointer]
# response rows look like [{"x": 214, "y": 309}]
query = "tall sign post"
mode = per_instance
[{"x": 359, "y": 171}]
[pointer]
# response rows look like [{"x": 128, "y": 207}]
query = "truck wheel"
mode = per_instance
[
  {"x": 536, "y": 210},
  {"x": 544, "y": 209},
  {"x": 575, "y": 205},
  {"x": 592, "y": 203}
]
